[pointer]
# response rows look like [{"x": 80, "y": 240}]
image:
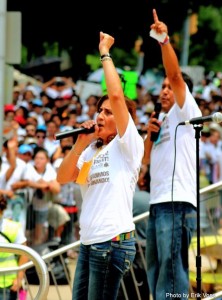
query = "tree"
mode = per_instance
[
  {"x": 77, "y": 29},
  {"x": 206, "y": 44}
]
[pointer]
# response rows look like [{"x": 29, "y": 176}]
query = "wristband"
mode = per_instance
[
  {"x": 105, "y": 56},
  {"x": 166, "y": 41}
]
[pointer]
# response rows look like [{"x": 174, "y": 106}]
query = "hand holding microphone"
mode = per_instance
[
  {"x": 76, "y": 131},
  {"x": 154, "y": 135}
]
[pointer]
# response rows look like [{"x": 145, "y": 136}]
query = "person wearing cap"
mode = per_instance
[
  {"x": 9, "y": 108},
  {"x": 37, "y": 106},
  {"x": 25, "y": 152},
  {"x": 31, "y": 141},
  {"x": 46, "y": 113},
  {"x": 16, "y": 94},
  {"x": 41, "y": 135},
  {"x": 29, "y": 94}
]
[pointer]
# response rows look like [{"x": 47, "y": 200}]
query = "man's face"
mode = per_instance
[{"x": 166, "y": 96}]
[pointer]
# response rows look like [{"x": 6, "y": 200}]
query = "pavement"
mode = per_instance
[{"x": 58, "y": 292}]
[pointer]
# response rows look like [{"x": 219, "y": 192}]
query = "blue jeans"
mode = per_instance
[
  {"x": 100, "y": 268},
  {"x": 7, "y": 294},
  {"x": 168, "y": 240}
]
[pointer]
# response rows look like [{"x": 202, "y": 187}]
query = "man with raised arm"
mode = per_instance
[{"x": 172, "y": 219}]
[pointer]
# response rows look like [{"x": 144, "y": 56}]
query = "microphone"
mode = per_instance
[
  {"x": 154, "y": 135},
  {"x": 74, "y": 132},
  {"x": 216, "y": 117}
]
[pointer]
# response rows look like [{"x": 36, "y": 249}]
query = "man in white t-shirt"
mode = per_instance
[{"x": 172, "y": 219}]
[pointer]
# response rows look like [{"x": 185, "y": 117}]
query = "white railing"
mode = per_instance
[
  {"x": 36, "y": 260},
  {"x": 43, "y": 263}
]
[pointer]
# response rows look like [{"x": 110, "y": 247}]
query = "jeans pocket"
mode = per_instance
[
  {"x": 124, "y": 253},
  {"x": 129, "y": 258},
  {"x": 100, "y": 250}
]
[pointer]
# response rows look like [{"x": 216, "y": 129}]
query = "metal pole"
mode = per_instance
[
  {"x": 2, "y": 63},
  {"x": 186, "y": 42}
]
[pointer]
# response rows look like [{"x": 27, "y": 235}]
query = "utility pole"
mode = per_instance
[
  {"x": 186, "y": 42},
  {"x": 2, "y": 63},
  {"x": 10, "y": 53}
]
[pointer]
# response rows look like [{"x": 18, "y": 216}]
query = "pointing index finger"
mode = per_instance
[{"x": 155, "y": 17}]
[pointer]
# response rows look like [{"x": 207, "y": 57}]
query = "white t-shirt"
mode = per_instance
[
  {"x": 108, "y": 194},
  {"x": 17, "y": 175},
  {"x": 51, "y": 146},
  {"x": 40, "y": 203},
  {"x": 163, "y": 156},
  {"x": 2, "y": 180}
]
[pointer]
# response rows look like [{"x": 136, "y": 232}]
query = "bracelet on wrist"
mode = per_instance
[
  {"x": 106, "y": 56},
  {"x": 166, "y": 41}
]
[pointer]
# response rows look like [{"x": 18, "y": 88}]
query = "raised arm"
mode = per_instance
[
  {"x": 12, "y": 147},
  {"x": 113, "y": 84},
  {"x": 170, "y": 62}
]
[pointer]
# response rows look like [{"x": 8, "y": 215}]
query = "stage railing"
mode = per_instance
[{"x": 211, "y": 226}]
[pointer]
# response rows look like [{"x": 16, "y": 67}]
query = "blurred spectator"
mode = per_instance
[
  {"x": 31, "y": 141},
  {"x": 58, "y": 87},
  {"x": 40, "y": 135},
  {"x": 32, "y": 120},
  {"x": 46, "y": 114},
  {"x": 210, "y": 152},
  {"x": 68, "y": 141},
  {"x": 16, "y": 94},
  {"x": 11, "y": 232},
  {"x": 30, "y": 130},
  {"x": 41, "y": 177},
  {"x": 10, "y": 148},
  {"x": 141, "y": 201},
  {"x": 9, "y": 112},
  {"x": 7, "y": 173},
  {"x": 37, "y": 106},
  {"x": 25, "y": 152},
  {"x": 67, "y": 199},
  {"x": 50, "y": 144}
]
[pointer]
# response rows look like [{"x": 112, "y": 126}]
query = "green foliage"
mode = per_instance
[
  {"x": 93, "y": 61},
  {"x": 206, "y": 44},
  {"x": 24, "y": 55},
  {"x": 51, "y": 49},
  {"x": 121, "y": 57},
  {"x": 124, "y": 58}
]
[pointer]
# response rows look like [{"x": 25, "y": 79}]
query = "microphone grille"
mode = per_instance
[{"x": 217, "y": 117}]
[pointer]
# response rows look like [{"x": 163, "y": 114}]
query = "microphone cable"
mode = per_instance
[{"x": 173, "y": 213}]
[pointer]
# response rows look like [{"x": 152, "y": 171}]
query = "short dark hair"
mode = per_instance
[
  {"x": 3, "y": 202},
  {"x": 188, "y": 81}
]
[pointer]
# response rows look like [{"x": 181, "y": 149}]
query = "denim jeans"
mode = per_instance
[
  {"x": 100, "y": 268},
  {"x": 168, "y": 239},
  {"x": 7, "y": 294}
]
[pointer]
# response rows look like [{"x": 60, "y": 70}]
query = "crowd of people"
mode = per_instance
[{"x": 89, "y": 186}]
